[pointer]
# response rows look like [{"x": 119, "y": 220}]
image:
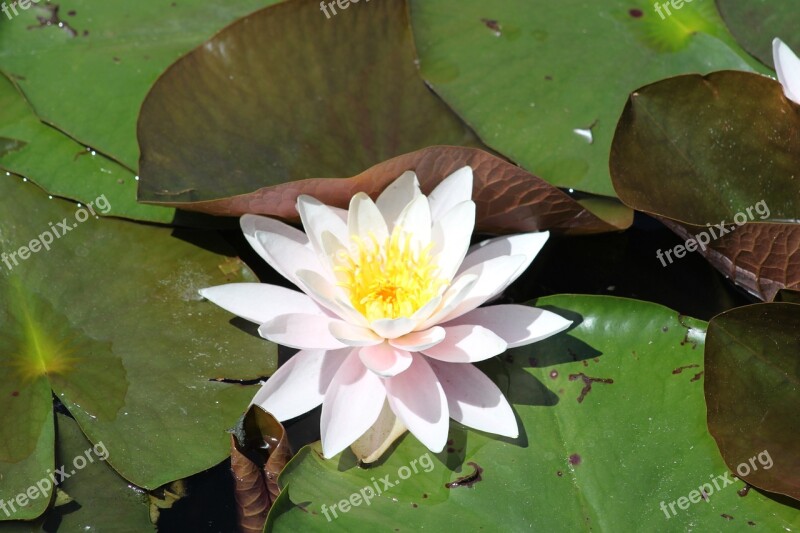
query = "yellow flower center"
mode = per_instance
[{"x": 390, "y": 279}]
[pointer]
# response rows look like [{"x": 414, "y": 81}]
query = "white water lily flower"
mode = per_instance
[
  {"x": 787, "y": 65},
  {"x": 388, "y": 321}
]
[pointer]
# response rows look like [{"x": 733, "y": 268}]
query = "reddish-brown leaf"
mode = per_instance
[
  {"x": 762, "y": 257},
  {"x": 509, "y": 199},
  {"x": 257, "y": 457}
]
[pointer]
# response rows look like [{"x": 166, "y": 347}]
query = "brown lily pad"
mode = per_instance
[{"x": 752, "y": 388}]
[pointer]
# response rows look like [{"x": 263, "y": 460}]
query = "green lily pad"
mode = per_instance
[
  {"x": 753, "y": 393},
  {"x": 755, "y": 23},
  {"x": 613, "y": 423},
  {"x": 544, "y": 83},
  {"x": 62, "y": 166},
  {"x": 93, "y": 498},
  {"x": 236, "y": 114},
  {"x": 107, "y": 316},
  {"x": 89, "y": 76}
]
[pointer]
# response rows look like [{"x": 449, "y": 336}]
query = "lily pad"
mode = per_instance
[
  {"x": 508, "y": 198},
  {"x": 236, "y": 114},
  {"x": 62, "y": 166},
  {"x": 718, "y": 155},
  {"x": 753, "y": 393},
  {"x": 755, "y": 23},
  {"x": 613, "y": 424},
  {"x": 88, "y": 75},
  {"x": 106, "y": 315},
  {"x": 93, "y": 498},
  {"x": 544, "y": 83}
]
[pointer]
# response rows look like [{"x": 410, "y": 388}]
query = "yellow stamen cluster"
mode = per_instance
[{"x": 389, "y": 279}]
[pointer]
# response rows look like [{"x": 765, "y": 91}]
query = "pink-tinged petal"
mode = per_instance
[
  {"x": 418, "y": 400},
  {"x": 416, "y": 341},
  {"x": 318, "y": 218},
  {"x": 415, "y": 220},
  {"x": 330, "y": 296},
  {"x": 518, "y": 325},
  {"x": 287, "y": 256},
  {"x": 365, "y": 219},
  {"x": 397, "y": 196},
  {"x": 453, "y": 296},
  {"x": 451, "y": 235},
  {"x": 787, "y": 66},
  {"x": 474, "y": 400},
  {"x": 384, "y": 359},
  {"x": 352, "y": 404},
  {"x": 525, "y": 244},
  {"x": 259, "y": 302},
  {"x": 300, "y": 384},
  {"x": 391, "y": 328},
  {"x": 493, "y": 276},
  {"x": 352, "y": 335},
  {"x": 454, "y": 189},
  {"x": 306, "y": 332},
  {"x": 467, "y": 344}
]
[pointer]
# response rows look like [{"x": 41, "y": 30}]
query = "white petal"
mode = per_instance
[
  {"x": 518, "y": 325},
  {"x": 352, "y": 335},
  {"x": 474, "y": 400},
  {"x": 453, "y": 296},
  {"x": 424, "y": 312},
  {"x": 391, "y": 328},
  {"x": 397, "y": 196},
  {"x": 254, "y": 223},
  {"x": 330, "y": 296},
  {"x": 370, "y": 446},
  {"x": 300, "y": 384},
  {"x": 365, "y": 219},
  {"x": 526, "y": 244},
  {"x": 259, "y": 302},
  {"x": 467, "y": 344},
  {"x": 318, "y": 218},
  {"x": 787, "y": 65},
  {"x": 351, "y": 405},
  {"x": 416, "y": 221},
  {"x": 451, "y": 235},
  {"x": 418, "y": 400},
  {"x": 283, "y": 247},
  {"x": 306, "y": 332},
  {"x": 494, "y": 275},
  {"x": 286, "y": 256},
  {"x": 384, "y": 359},
  {"x": 454, "y": 189},
  {"x": 417, "y": 341}
]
